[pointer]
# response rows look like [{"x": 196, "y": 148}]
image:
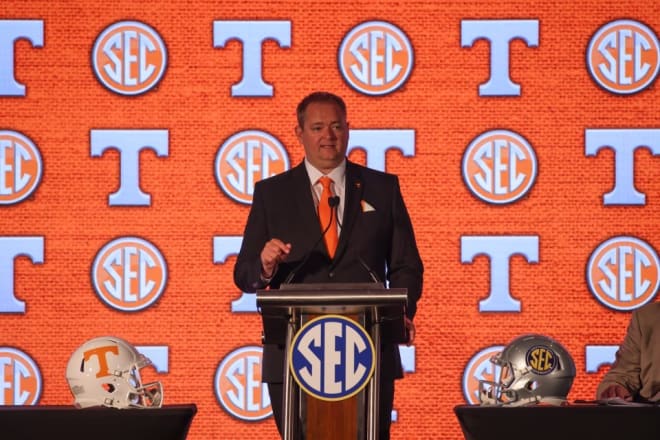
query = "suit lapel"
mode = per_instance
[
  {"x": 306, "y": 213},
  {"x": 353, "y": 195}
]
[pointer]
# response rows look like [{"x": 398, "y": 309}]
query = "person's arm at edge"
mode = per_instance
[
  {"x": 248, "y": 274},
  {"x": 405, "y": 265},
  {"x": 622, "y": 380}
]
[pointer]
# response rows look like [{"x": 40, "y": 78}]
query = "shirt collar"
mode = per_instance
[{"x": 338, "y": 175}]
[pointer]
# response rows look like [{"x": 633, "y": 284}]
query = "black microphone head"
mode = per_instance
[{"x": 333, "y": 201}]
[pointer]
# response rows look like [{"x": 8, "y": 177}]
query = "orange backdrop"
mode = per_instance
[{"x": 439, "y": 101}]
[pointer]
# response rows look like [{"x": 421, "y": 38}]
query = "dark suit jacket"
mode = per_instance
[{"x": 283, "y": 208}]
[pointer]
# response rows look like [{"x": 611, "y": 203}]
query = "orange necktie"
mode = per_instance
[{"x": 327, "y": 217}]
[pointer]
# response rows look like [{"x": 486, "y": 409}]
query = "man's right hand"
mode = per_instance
[
  {"x": 274, "y": 252},
  {"x": 615, "y": 390}
]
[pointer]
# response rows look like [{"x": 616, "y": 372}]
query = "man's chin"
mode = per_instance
[{"x": 326, "y": 162}]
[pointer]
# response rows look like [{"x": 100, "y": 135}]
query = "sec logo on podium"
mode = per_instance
[{"x": 332, "y": 357}]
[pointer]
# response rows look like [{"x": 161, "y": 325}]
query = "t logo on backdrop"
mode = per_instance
[
  {"x": 499, "y": 33},
  {"x": 624, "y": 142},
  {"x": 499, "y": 250},
  {"x": 129, "y": 144},
  {"x": 252, "y": 35},
  {"x": 10, "y": 249},
  {"x": 10, "y": 32}
]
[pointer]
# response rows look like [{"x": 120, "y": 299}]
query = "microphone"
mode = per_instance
[
  {"x": 372, "y": 274},
  {"x": 391, "y": 331},
  {"x": 333, "y": 202}
]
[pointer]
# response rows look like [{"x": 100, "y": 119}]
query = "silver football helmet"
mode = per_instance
[
  {"x": 533, "y": 369},
  {"x": 105, "y": 371}
]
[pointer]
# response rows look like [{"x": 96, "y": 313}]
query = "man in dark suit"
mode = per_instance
[{"x": 375, "y": 235}]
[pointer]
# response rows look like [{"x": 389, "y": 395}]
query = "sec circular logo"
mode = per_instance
[
  {"x": 479, "y": 368},
  {"x": 541, "y": 359},
  {"x": 244, "y": 159},
  {"x": 129, "y": 58},
  {"x": 623, "y": 57},
  {"x": 332, "y": 357},
  {"x": 499, "y": 167},
  {"x": 623, "y": 273},
  {"x": 129, "y": 274},
  {"x": 21, "y": 167},
  {"x": 376, "y": 58},
  {"x": 238, "y": 385},
  {"x": 20, "y": 378}
]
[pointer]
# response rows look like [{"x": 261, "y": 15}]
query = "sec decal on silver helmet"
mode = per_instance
[
  {"x": 533, "y": 369},
  {"x": 105, "y": 371}
]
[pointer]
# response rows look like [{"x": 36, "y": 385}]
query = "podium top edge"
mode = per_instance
[
  {"x": 333, "y": 286},
  {"x": 318, "y": 294},
  {"x": 346, "y": 298}
]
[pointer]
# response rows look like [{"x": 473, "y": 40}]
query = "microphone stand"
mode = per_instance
[{"x": 333, "y": 202}]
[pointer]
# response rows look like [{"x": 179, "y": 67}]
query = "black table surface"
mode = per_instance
[
  {"x": 170, "y": 422},
  {"x": 571, "y": 422}
]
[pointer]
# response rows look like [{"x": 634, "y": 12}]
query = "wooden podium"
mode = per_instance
[{"x": 379, "y": 311}]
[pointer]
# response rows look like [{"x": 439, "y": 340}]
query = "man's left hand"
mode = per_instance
[{"x": 410, "y": 328}]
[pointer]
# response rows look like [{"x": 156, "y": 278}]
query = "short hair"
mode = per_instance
[{"x": 318, "y": 97}]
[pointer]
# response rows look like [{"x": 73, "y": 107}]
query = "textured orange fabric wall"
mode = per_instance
[{"x": 440, "y": 102}]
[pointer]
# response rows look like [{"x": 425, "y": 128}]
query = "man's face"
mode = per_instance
[{"x": 324, "y": 135}]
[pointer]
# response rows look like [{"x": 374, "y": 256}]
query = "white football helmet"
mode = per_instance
[
  {"x": 533, "y": 369},
  {"x": 105, "y": 371}
]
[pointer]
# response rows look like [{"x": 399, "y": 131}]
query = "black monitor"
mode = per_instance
[
  {"x": 571, "y": 422},
  {"x": 99, "y": 423}
]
